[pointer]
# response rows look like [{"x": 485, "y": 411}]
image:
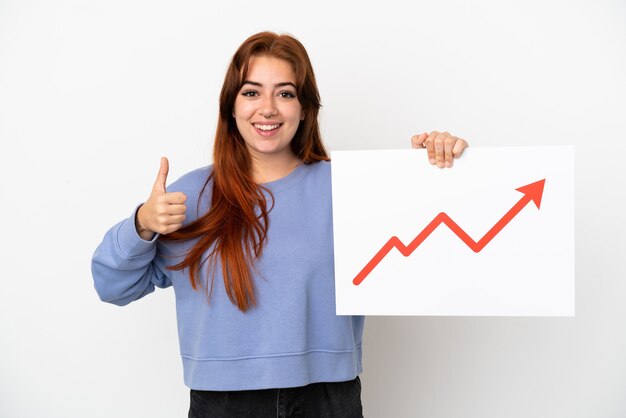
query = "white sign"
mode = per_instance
[{"x": 493, "y": 235}]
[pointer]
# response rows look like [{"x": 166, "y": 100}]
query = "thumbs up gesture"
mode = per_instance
[{"x": 163, "y": 212}]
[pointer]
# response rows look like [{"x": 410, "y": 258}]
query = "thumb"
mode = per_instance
[
  {"x": 159, "y": 184},
  {"x": 417, "y": 141}
]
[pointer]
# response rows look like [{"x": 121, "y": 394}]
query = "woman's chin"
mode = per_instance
[{"x": 270, "y": 150}]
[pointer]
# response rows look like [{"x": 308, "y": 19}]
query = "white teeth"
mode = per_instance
[{"x": 266, "y": 127}]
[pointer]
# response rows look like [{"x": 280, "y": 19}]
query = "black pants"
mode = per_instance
[{"x": 317, "y": 400}]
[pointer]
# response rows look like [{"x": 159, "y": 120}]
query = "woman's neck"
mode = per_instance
[{"x": 269, "y": 168}]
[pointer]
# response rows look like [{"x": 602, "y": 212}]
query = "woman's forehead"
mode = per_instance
[{"x": 269, "y": 68}]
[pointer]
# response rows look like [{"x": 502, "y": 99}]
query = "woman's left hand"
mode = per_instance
[{"x": 442, "y": 147}]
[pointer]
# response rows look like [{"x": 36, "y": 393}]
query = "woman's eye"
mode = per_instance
[
  {"x": 287, "y": 95},
  {"x": 249, "y": 93}
]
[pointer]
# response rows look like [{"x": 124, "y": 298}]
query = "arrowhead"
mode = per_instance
[{"x": 534, "y": 191}]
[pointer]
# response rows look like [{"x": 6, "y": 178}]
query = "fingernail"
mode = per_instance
[{"x": 432, "y": 161}]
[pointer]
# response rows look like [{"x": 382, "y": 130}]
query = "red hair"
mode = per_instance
[{"x": 235, "y": 227}]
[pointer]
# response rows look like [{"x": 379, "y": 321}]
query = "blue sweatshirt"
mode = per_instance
[{"x": 292, "y": 337}]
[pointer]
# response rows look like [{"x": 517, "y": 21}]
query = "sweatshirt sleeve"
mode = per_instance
[{"x": 125, "y": 267}]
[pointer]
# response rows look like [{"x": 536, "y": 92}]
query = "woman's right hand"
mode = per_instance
[{"x": 163, "y": 212}]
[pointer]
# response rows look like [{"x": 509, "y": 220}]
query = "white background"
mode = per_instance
[
  {"x": 527, "y": 269},
  {"x": 92, "y": 93}
]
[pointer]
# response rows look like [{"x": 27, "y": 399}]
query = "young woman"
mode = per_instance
[{"x": 247, "y": 244}]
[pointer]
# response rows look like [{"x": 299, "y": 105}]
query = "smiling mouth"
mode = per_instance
[{"x": 266, "y": 128}]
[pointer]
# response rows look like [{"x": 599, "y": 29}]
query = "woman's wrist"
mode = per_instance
[{"x": 144, "y": 233}]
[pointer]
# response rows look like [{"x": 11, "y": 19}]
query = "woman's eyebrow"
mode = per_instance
[{"x": 284, "y": 83}]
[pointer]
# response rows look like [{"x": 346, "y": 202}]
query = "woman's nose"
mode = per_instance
[{"x": 268, "y": 107}]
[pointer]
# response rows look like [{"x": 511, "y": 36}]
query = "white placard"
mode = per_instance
[{"x": 475, "y": 245}]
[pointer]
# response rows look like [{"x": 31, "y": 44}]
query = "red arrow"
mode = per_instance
[{"x": 532, "y": 192}]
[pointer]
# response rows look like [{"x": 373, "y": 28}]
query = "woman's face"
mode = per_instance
[{"x": 267, "y": 110}]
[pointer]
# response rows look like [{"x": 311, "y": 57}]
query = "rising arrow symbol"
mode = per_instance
[{"x": 532, "y": 192}]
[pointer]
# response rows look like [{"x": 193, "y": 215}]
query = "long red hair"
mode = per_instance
[{"x": 234, "y": 230}]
